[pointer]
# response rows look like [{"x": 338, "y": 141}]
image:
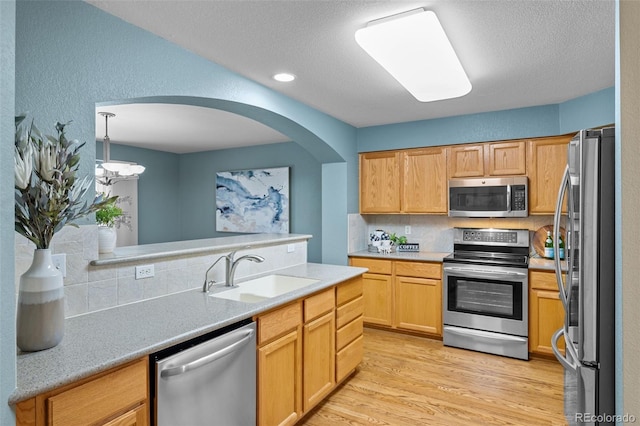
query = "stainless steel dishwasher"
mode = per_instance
[{"x": 210, "y": 380}]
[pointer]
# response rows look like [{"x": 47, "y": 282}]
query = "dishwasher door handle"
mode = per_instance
[{"x": 181, "y": 369}]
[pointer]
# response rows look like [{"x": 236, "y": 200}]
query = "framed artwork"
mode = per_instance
[{"x": 253, "y": 201}]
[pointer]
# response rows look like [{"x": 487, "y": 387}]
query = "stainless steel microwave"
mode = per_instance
[{"x": 489, "y": 197}]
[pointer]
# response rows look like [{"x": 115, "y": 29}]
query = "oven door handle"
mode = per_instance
[{"x": 472, "y": 272}]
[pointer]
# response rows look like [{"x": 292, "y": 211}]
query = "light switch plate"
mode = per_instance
[
  {"x": 407, "y": 230},
  {"x": 291, "y": 248}
]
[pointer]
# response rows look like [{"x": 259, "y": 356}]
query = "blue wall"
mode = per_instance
[
  {"x": 7, "y": 233},
  {"x": 179, "y": 189},
  {"x": 593, "y": 110},
  {"x": 158, "y": 191},
  {"x": 66, "y": 68},
  {"x": 197, "y": 188}
]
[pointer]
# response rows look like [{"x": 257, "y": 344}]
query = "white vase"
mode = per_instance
[
  {"x": 40, "y": 316},
  {"x": 106, "y": 239}
]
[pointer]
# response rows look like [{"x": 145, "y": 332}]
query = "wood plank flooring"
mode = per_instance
[{"x": 408, "y": 380}]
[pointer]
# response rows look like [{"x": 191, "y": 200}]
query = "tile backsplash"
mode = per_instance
[
  {"x": 433, "y": 233},
  {"x": 91, "y": 288}
]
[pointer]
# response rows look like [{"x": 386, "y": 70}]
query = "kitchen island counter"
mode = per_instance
[{"x": 101, "y": 340}]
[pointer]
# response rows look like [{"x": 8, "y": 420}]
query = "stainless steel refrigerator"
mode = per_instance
[{"x": 586, "y": 279}]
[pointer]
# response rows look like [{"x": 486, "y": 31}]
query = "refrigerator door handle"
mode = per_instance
[
  {"x": 566, "y": 363},
  {"x": 556, "y": 229}
]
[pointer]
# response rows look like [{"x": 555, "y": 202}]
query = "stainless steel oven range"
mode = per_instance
[{"x": 485, "y": 292}]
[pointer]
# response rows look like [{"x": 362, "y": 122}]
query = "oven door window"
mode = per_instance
[
  {"x": 501, "y": 299},
  {"x": 478, "y": 199}
]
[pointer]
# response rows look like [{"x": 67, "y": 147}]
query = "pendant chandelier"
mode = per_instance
[{"x": 110, "y": 169}]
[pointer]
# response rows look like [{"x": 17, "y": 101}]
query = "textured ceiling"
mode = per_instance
[{"x": 516, "y": 53}]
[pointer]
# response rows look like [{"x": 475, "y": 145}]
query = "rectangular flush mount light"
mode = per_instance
[{"x": 414, "y": 49}]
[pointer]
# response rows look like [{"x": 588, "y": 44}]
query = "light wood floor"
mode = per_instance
[{"x": 407, "y": 380}]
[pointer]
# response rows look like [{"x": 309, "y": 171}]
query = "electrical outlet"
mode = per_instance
[
  {"x": 60, "y": 261},
  {"x": 291, "y": 248},
  {"x": 144, "y": 271},
  {"x": 407, "y": 230}
]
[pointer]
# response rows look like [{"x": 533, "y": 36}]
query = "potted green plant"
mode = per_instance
[
  {"x": 397, "y": 240},
  {"x": 106, "y": 218},
  {"x": 47, "y": 197}
]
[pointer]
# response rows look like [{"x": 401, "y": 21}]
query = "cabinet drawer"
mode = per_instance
[
  {"x": 348, "y": 358},
  {"x": 349, "y": 311},
  {"x": 543, "y": 280},
  {"x": 349, "y": 290},
  {"x": 100, "y": 398},
  {"x": 319, "y": 304},
  {"x": 376, "y": 266},
  {"x": 279, "y": 322},
  {"x": 419, "y": 269},
  {"x": 348, "y": 333}
]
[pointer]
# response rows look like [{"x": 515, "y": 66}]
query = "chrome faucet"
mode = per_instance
[{"x": 230, "y": 268}]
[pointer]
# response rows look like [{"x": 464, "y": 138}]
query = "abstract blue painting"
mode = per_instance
[{"x": 255, "y": 201}]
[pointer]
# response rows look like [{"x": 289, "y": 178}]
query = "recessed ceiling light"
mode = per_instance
[
  {"x": 284, "y": 77},
  {"x": 414, "y": 49}
]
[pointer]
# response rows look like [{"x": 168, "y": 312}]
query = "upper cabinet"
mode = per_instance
[
  {"x": 488, "y": 159},
  {"x": 408, "y": 181},
  {"x": 547, "y": 161},
  {"x": 416, "y": 180},
  {"x": 424, "y": 181},
  {"x": 380, "y": 182},
  {"x": 466, "y": 161},
  {"x": 506, "y": 158}
]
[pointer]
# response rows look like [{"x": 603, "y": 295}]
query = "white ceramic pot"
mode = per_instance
[
  {"x": 40, "y": 316},
  {"x": 106, "y": 239}
]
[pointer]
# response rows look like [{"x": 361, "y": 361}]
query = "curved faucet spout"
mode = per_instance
[{"x": 233, "y": 264}]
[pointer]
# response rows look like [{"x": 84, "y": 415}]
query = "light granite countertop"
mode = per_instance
[
  {"x": 423, "y": 256},
  {"x": 190, "y": 247},
  {"x": 101, "y": 340}
]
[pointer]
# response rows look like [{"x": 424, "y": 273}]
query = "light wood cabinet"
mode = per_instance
[
  {"x": 488, "y": 159},
  {"x": 115, "y": 397},
  {"x": 506, "y": 158},
  {"x": 403, "y": 295},
  {"x": 280, "y": 366},
  {"x": 349, "y": 323},
  {"x": 547, "y": 161},
  {"x": 466, "y": 161},
  {"x": 380, "y": 182},
  {"x": 305, "y": 349},
  {"x": 424, "y": 183},
  {"x": 546, "y": 313},
  {"x": 318, "y": 348},
  {"x": 378, "y": 290},
  {"x": 407, "y": 181}
]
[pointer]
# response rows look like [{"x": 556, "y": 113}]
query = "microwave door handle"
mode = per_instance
[
  {"x": 556, "y": 229},
  {"x": 508, "y": 198}
]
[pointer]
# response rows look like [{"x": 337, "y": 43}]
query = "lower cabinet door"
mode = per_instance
[
  {"x": 419, "y": 305},
  {"x": 378, "y": 299},
  {"x": 135, "y": 417},
  {"x": 280, "y": 380},
  {"x": 546, "y": 316},
  {"x": 319, "y": 359},
  {"x": 348, "y": 358}
]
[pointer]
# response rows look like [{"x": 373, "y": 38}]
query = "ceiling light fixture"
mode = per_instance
[
  {"x": 414, "y": 49},
  {"x": 284, "y": 77},
  {"x": 114, "y": 169}
]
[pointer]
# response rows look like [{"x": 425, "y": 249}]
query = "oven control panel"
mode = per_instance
[{"x": 489, "y": 236}]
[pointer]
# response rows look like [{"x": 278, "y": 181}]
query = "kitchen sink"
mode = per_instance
[{"x": 259, "y": 289}]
